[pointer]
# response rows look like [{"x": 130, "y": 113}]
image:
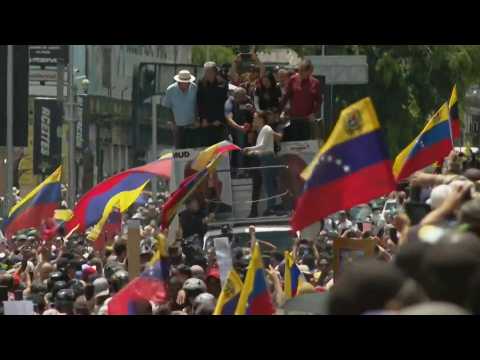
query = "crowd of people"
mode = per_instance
[
  {"x": 222, "y": 104},
  {"x": 426, "y": 257},
  {"x": 423, "y": 264},
  {"x": 254, "y": 108}
]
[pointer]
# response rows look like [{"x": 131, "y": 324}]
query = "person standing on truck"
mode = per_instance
[
  {"x": 211, "y": 98},
  {"x": 239, "y": 110},
  {"x": 265, "y": 152},
  {"x": 181, "y": 98},
  {"x": 304, "y": 94}
]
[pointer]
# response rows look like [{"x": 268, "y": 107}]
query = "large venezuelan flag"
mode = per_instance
[
  {"x": 352, "y": 167},
  {"x": 121, "y": 201},
  {"x": 293, "y": 276},
  {"x": 91, "y": 206},
  {"x": 35, "y": 208},
  {"x": 228, "y": 299},
  {"x": 433, "y": 144},
  {"x": 454, "y": 115},
  {"x": 255, "y": 298},
  {"x": 151, "y": 285}
]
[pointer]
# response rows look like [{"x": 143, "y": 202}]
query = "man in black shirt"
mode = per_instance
[
  {"x": 239, "y": 110},
  {"x": 211, "y": 98},
  {"x": 193, "y": 220}
]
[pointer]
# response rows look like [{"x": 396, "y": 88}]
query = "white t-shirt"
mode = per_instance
[
  {"x": 347, "y": 224},
  {"x": 265, "y": 141}
]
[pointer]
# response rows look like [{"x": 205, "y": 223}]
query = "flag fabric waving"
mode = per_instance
[
  {"x": 228, "y": 299},
  {"x": 433, "y": 144},
  {"x": 352, "y": 167},
  {"x": 186, "y": 188},
  {"x": 454, "y": 115},
  {"x": 255, "y": 298},
  {"x": 151, "y": 285},
  {"x": 210, "y": 153},
  {"x": 91, "y": 206},
  {"x": 121, "y": 201},
  {"x": 35, "y": 208},
  {"x": 293, "y": 276}
]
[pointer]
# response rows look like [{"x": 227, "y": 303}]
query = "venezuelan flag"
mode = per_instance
[
  {"x": 186, "y": 188},
  {"x": 352, "y": 167},
  {"x": 121, "y": 201},
  {"x": 454, "y": 115},
  {"x": 433, "y": 144},
  {"x": 151, "y": 285},
  {"x": 255, "y": 298},
  {"x": 228, "y": 299},
  {"x": 210, "y": 153},
  {"x": 92, "y": 205},
  {"x": 293, "y": 276},
  {"x": 35, "y": 208}
]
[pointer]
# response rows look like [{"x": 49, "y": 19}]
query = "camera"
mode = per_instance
[{"x": 192, "y": 248}]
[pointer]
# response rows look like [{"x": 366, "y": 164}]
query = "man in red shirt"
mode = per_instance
[{"x": 305, "y": 96}]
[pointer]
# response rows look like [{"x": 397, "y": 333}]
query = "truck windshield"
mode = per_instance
[{"x": 282, "y": 240}]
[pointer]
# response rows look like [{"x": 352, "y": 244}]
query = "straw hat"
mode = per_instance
[{"x": 184, "y": 76}]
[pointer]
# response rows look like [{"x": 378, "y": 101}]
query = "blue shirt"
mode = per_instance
[{"x": 182, "y": 104}]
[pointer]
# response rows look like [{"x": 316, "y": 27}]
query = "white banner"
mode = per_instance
[{"x": 224, "y": 257}]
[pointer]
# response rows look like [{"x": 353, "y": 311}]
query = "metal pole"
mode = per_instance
[
  {"x": 10, "y": 155},
  {"x": 331, "y": 104},
  {"x": 72, "y": 178},
  {"x": 322, "y": 109},
  {"x": 154, "y": 144},
  {"x": 60, "y": 89}
]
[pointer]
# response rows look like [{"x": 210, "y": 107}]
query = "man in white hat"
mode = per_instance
[{"x": 181, "y": 99}]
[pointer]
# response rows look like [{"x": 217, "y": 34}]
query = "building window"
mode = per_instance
[{"x": 107, "y": 68}]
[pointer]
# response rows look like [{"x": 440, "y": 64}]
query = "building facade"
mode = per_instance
[{"x": 104, "y": 132}]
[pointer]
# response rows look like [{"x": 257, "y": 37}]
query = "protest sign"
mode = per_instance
[
  {"x": 22, "y": 307},
  {"x": 133, "y": 248},
  {"x": 347, "y": 250}
]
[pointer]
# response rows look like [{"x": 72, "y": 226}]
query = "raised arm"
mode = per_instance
[{"x": 233, "y": 72}]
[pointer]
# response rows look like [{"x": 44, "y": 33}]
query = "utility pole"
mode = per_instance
[
  {"x": 10, "y": 68},
  {"x": 60, "y": 89},
  {"x": 322, "y": 109},
  {"x": 72, "y": 176},
  {"x": 154, "y": 143}
]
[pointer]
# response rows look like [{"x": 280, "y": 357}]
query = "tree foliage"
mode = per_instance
[
  {"x": 218, "y": 53},
  {"x": 407, "y": 83}
]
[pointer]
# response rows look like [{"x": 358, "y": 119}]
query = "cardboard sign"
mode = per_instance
[
  {"x": 296, "y": 155},
  {"x": 133, "y": 248},
  {"x": 347, "y": 250},
  {"x": 22, "y": 307}
]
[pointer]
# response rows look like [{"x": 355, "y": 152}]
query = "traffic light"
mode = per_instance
[{"x": 20, "y": 95}]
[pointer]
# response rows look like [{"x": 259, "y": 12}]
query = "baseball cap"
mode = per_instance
[
  {"x": 197, "y": 271},
  {"x": 214, "y": 272},
  {"x": 440, "y": 193},
  {"x": 101, "y": 287},
  {"x": 210, "y": 64}
]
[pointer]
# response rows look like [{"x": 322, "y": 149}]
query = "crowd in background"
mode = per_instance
[
  {"x": 427, "y": 245},
  {"x": 427, "y": 263}
]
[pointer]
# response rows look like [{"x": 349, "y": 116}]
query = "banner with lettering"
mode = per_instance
[{"x": 47, "y": 142}]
